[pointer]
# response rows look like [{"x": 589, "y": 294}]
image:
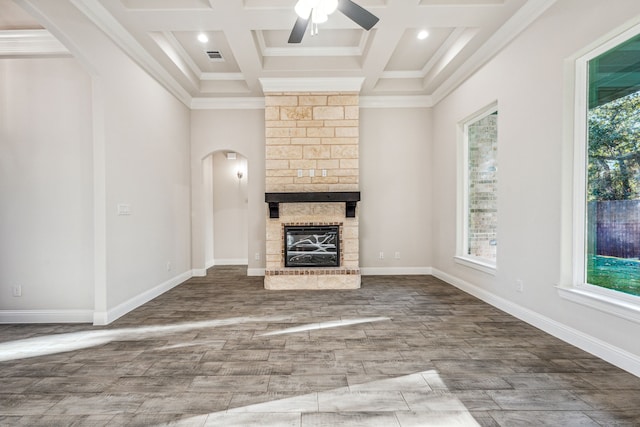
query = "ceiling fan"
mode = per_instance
[{"x": 317, "y": 12}]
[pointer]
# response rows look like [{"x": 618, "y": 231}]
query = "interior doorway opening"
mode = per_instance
[{"x": 225, "y": 179}]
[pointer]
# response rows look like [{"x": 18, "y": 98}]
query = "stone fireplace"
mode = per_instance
[{"x": 312, "y": 183}]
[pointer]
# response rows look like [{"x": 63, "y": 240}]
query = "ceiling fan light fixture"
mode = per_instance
[
  {"x": 321, "y": 9},
  {"x": 318, "y": 17},
  {"x": 303, "y": 8},
  {"x": 328, "y": 6}
]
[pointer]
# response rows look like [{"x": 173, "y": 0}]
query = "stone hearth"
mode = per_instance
[{"x": 312, "y": 147}]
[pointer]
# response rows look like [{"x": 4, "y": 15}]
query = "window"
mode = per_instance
[
  {"x": 477, "y": 207},
  {"x": 613, "y": 169},
  {"x": 605, "y": 268}
]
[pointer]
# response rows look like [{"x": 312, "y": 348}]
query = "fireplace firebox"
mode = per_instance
[{"x": 311, "y": 246}]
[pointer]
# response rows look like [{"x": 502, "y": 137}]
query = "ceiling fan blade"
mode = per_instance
[
  {"x": 298, "y": 30},
  {"x": 357, "y": 14}
]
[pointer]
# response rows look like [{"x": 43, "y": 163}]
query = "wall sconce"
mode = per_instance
[{"x": 240, "y": 174}]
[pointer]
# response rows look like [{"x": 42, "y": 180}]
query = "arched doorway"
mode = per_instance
[{"x": 225, "y": 180}]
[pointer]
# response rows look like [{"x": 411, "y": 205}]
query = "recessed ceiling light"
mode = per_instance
[
  {"x": 423, "y": 34},
  {"x": 202, "y": 38}
]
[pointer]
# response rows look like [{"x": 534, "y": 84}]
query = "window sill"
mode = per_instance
[
  {"x": 477, "y": 264},
  {"x": 622, "y": 306}
]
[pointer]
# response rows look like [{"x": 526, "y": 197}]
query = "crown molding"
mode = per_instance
[
  {"x": 30, "y": 43},
  {"x": 239, "y": 103},
  {"x": 312, "y": 84},
  {"x": 107, "y": 23},
  {"x": 501, "y": 38},
  {"x": 424, "y": 101}
]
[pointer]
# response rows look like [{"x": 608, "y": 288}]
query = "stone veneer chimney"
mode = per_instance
[{"x": 312, "y": 146}]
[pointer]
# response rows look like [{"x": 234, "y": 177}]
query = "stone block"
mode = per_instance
[
  {"x": 279, "y": 132},
  {"x": 272, "y": 113},
  {"x": 310, "y": 123},
  {"x": 328, "y": 113},
  {"x": 281, "y": 172},
  {"x": 340, "y": 141},
  {"x": 316, "y": 152},
  {"x": 306, "y": 141},
  {"x": 349, "y": 163},
  {"x": 326, "y": 179},
  {"x": 351, "y": 112},
  {"x": 296, "y": 113},
  {"x": 282, "y": 152},
  {"x": 321, "y": 132},
  {"x": 294, "y": 188},
  {"x": 328, "y": 164},
  {"x": 278, "y": 123},
  {"x": 343, "y": 187},
  {"x": 347, "y": 132},
  {"x": 343, "y": 100},
  {"x": 349, "y": 179},
  {"x": 273, "y": 247},
  {"x": 345, "y": 172},
  {"x": 312, "y": 100},
  {"x": 343, "y": 152},
  {"x": 278, "y": 141},
  {"x": 272, "y": 164},
  {"x": 305, "y": 165},
  {"x": 278, "y": 100},
  {"x": 342, "y": 123},
  {"x": 298, "y": 133},
  {"x": 315, "y": 187},
  {"x": 278, "y": 180},
  {"x": 350, "y": 232}
]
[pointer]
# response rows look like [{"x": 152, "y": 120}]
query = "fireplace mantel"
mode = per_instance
[{"x": 350, "y": 198}]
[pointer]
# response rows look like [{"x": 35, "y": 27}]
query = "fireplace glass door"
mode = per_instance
[{"x": 312, "y": 246}]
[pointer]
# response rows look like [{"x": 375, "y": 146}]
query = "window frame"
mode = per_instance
[
  {"x": 462, "y": 256},
  {"x": 618, "y": 303}
]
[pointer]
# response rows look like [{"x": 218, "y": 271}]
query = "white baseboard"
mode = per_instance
[
  {"x": 209, "y": 264},
  {"x": 104, "y": 318},
  {"x": 614, "y": 355},
  {"x": 390, "y": 271},
  {"x": 255, "y": 271},
  {"x": 230, "y": 261},
  {"x": 198, "y": 272},
  {"x": 46, "y": 316}
]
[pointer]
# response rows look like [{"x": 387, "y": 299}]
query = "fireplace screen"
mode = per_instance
[{"x": 311, "y": 246}]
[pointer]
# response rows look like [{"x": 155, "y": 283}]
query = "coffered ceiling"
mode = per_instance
[{"x": 248, "y": 48}]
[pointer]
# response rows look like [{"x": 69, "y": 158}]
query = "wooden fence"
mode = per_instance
[{"x": 617, "y": 228}]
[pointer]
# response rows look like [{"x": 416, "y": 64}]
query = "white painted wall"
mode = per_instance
[
  {"x": 207, "y": 188},
  {"x": 147, "y": 167},
  {"x": 530, "y": 80},
  {"x": 395, "y": 186},
  {"x": 46, "y": 195},
  {"x": 140, "y": 136},
  {"x": 230, "y": 199}
]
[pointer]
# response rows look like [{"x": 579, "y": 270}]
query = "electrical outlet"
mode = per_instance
[
  {"x": 16, "y": 291},
  {"x": 257, "y": 256},
  {"x": 312, "y": 173},
  {"x": 519, "y": 285},
  {"x": 397, "y": 255},
  {"x": 168, "y": 265},
  {"x": 381, "y": 255}
]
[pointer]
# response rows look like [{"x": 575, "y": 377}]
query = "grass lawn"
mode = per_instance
[{"x": 620, "y": 274}]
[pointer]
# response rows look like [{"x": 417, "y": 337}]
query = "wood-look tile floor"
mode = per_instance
[{"x": 222, "y": 351}]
